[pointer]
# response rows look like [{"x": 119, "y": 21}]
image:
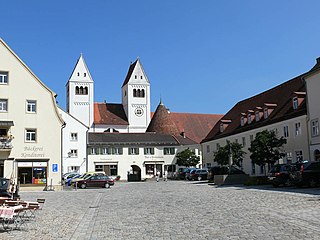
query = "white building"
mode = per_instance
[
  {"x": 117, "y": 140},
  {"x": 30, "y": 125},
  {"x": 282, "y": 109},
  {"x": 74, "y": 150}
]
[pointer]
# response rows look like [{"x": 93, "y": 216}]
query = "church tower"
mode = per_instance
[
  {"x": 136, "y": 98},
  {"x": 80, "y": 93}
]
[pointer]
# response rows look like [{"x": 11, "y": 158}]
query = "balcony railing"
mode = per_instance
[{"x": 5, "y": 143}]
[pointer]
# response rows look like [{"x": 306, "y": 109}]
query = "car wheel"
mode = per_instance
[
  {"x": 275, "y": 184},
  {"x": 83, "y": 185},
  {"x": 107, "y": 185},
  {"x": 199, "y": 178}
]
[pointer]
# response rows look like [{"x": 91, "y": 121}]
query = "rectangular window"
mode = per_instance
[
  {"x": 148, "y": 151},
  {"x": 299, "y": 156},
  {"x": 3, "y": 77},
  {"x": 218, "y": 146},
  {"x": 243, "y": 141},
  {"x": 31, "y": 106},
  {"x": 249, "y": 118},
  {"x": 117, "y": 151},
  {"x": 295, "y": 103},
  {"x": 98, "y": 168},
  {"x": 286, "y": 131},
  {"x": 297, "y": 128},
  {"x": 208, "y": 148},
  {"x": 253, "y": 169},
  {"x": 3, "y": 105},
  {"x": 74, "y": 152},
  {"x": 168, "y": 151},
  {"x": 314, "y": 128},
  {"x": 242, "y": 120},
  {"x": 74, "y": 136},
  {"x": 261, "y": 169},
  {"x": 31, "y": 135},
  {"x": 251, "y": 138},
  {"x": 236, "y": 140},
  {"x": 133, "y": 151},
  {"x": 257, "y": 116},
  {"x": 265, "y": 113}
]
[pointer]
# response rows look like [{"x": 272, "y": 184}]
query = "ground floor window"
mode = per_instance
[
  {"x": 32, "y": 175},
  {"x": 73, "y": 168},
  {"x": 150, "y": 169},
  {"x": 171, "y": 168},
  {"x": 110, "y": 170}
]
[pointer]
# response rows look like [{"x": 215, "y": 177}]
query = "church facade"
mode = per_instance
[{"x": 126, "y": 137}]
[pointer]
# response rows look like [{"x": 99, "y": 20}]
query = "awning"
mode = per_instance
[{"x": 6, "y": 123}]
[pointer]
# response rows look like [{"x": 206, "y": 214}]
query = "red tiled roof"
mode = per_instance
[
  {"x": 281, "y": 99},
  {"x": 109, "y": 114},
  {"x": 161, "y": 122},
  {"x": 194, "y": 126},
  {"x": 131, "y": 68}
]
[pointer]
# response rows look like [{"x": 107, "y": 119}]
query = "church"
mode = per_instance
[{"x": 126, "y": 137}]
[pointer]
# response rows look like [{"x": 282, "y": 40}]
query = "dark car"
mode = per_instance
[
  {"x": 223, "y": 170},
  {"x": 308, "y": 174},
  {"x": 280, "y": 174},
  {"x": 199, "y": 174},
  {"x": 95, "y": 181}
]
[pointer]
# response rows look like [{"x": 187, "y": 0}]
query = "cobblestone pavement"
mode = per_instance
[{"x": 174, "y": 210}]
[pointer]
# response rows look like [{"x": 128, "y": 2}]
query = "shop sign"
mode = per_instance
[
  {"x": 32, "y": 152},
  {"x": 40, "y": 164},
  {"x": 24, "y": 164}
]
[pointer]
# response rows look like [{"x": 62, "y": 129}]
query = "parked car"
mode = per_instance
[
  {"x": 188, "y": 173},
  {"x": 199, "y": 174},
  {"x": 223, "y": 170},
  {"x": 68, "y": 181},
  {"x": 281, "y": 174},
  {"x": 85, "y": 175},
  {"x": 308, "y": 174},
  {"x": 96, "y": 181},
  {"x": 68, "y": 175}
]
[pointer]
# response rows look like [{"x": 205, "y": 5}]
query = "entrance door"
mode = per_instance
[
  {"x": 159, "y": 168},
  {"x": 25, "y": 175}
]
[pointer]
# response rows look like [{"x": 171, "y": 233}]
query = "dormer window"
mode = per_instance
[
  {"x": 249, "y": 118},
  {"x": 221, "y": 127},
  {"x": 257, "y": 116},
  {"x": 265, "y": 113},
  {"x": 242, "y": 120},
  {"x": 295, "y": 103}
]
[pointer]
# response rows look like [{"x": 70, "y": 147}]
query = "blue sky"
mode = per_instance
[{"x": 200, "y": 56}]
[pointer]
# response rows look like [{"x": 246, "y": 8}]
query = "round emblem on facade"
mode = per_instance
[{"x": 138, "y": 112}]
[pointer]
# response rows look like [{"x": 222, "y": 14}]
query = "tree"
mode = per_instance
[
  {"x": 231, "y": 149},
  {"x": 187, "y": 158},
  {"x": 267, "y": 148}
]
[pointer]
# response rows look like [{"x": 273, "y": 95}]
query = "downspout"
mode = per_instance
[
  {"x": 61, "y": 164},
  {"x": 87, "y": 134}
]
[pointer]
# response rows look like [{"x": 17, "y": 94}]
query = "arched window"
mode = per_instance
[
  {"x": 317, "y": 155},
  {"x": 85, "y": 90},
  {"x": 134, "y": 92},
  {"x": 138, "y": 93},
  {"x": 142, "y": 93},
  {"x": 81, "y": 91},
  {"x": 78, "y": 74},
  {"x": 77, "y": 90}
]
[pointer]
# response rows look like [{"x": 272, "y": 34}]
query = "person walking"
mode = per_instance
[
  {"x": 158, "y": 175},
  {"x": 165, "y": 176}
]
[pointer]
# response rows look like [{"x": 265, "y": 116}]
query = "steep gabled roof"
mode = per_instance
[
  {"x": 80, "y": 65},
  {"x": 130, "y": 71},
  {"x": 109, "y": 114},
  {"x": 279, "y": 98}
]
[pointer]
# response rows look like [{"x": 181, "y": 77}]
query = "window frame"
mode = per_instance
[
  {"x": 148, "y": 151},
  {"x": 168, "y": 151},
  {"x": 72, "y": 138},
  {"x": 315, "y": 128},
  {"x": 32, "y": 104},
  {"x": 73, "y": 153},
  {"x": 295, "y": 103},
  {"x": 133, "y": 151},
  {"x": 3, "y": 105},
  {"x": 297, "y": 128},
  {"x": 286, "y": 131},
  {"x": 30, "y": 133},
  {"x": 4, "y": 77}
]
